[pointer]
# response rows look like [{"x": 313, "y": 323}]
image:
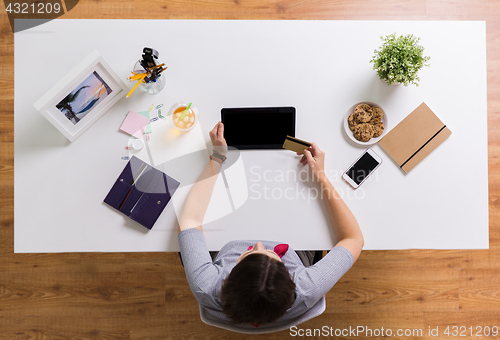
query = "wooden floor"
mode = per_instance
[{"x": 146, "y": 296}]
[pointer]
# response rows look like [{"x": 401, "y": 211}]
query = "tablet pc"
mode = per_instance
[{"x": 258, "y": 127}]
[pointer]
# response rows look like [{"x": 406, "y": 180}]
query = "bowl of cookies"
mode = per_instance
[{"x": 365, "y": 122}]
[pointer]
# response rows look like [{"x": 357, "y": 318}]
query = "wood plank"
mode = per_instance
[
  {"x": 6, "y": 37},
  {"x": 81, "y": 294},
  {"x": 6, "y": 215},
  {"x": 277, "y": 9},
  {"x": 481, "y": 259},
  {"x": 479, "y": 290},
  {"x": 178, "y": 295},
  {"x": 7, "y": 77},
  {"x": 150, "y": 262},
  {"x": 404, "y": 290},
  {"x": 415, "y": 259},
  {"x": 483, "y": 324},
  {"x": 109, "y": 9},
  {"x": 39, "y": 263},
  {"x": 63, "y": 327},
  {"x": 462, "y": 10},
  {"x": 7, "y": 165},
  {"x": 6, "y": 123},
  {"x": 102, "y": 262}
]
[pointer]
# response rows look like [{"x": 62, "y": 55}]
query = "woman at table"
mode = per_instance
[{"x": 262, "y": 282}]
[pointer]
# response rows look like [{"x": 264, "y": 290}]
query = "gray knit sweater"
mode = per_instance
[{"x": 205, "y": 277}]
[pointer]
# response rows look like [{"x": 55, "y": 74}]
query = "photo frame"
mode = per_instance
[{"x": 82, "y": 96}]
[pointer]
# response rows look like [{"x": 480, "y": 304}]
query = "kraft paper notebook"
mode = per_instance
[{"x": 415, "y": 137}]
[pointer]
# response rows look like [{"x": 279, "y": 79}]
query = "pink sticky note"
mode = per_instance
[{"x": 134, "y": 124}]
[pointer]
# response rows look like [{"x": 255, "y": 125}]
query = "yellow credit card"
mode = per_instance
[{"x": 295, "y": 144}]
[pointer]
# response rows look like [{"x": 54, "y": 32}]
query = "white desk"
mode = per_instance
[{"x": 321, "y": 68}]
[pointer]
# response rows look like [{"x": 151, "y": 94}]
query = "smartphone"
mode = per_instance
[{"x": 362, "y": 168}]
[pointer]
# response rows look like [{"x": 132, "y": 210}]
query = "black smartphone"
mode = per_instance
[{"x": 359, "y": 171}]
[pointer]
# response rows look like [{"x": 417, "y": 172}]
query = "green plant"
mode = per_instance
[{"x": 399, "y": 59}]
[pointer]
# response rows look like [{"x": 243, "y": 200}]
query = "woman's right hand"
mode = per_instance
[{"x": 316, "y": 160}]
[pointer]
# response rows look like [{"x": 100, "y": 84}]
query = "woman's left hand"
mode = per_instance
[{"x": 217, "y": 137}]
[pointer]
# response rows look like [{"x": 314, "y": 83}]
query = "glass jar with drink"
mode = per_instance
[{"x": 183, "y": 116}]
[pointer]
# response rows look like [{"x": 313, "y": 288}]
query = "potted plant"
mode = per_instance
[{"x": 399, "y": 59}]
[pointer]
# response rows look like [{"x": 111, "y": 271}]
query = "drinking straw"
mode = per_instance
[
  {"x": 187, "y": 109},
  {"x": 135, "y": 86}
]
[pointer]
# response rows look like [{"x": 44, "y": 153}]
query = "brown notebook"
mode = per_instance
[{"x": 415, "y": 137}]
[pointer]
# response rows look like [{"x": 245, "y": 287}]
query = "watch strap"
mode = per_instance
[{"x": 215, "y": 154}]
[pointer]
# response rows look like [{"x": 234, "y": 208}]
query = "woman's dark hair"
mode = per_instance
[{"x": 258, "y": 289}]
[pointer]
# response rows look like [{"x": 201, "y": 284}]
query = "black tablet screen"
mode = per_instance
[{"x": 259, "y": 127}]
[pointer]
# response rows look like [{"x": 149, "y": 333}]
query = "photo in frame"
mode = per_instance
[{"x": 82, "y": 96}]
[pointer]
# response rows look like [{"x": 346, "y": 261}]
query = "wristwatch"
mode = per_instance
[{"x": 217, "y": 155}]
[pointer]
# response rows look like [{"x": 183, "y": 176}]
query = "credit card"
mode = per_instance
[{"x": 295, "y": 144}]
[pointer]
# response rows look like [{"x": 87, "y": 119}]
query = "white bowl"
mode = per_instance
[
  {"x": 170, "y": 115},
  {"x": 350, "y": 134}
]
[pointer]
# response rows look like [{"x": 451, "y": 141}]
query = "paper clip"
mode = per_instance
[
  {"x": 147, "y": 136},
  {"x": 158, "y": 106},
  {"x": 129, "y": 148},
  {"x": 125, "y": 158},
  {"x": 160, "y": 115},
  {"x": 151, "y": 107},
  {"x": 153, "y": 119}
]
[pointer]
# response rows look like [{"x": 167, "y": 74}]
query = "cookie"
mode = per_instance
[
  {"x": 377, "y": 115},
  {"x": 352, "y": 121},
  {"x": 363, "y": 113},
  {"x": 363, "y": 132},
  {"x": 378, "y": 129},
  {"x": 363, "y": 107}
]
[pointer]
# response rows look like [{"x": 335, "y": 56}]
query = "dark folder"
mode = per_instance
[{"x": 141, "y": 192}]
